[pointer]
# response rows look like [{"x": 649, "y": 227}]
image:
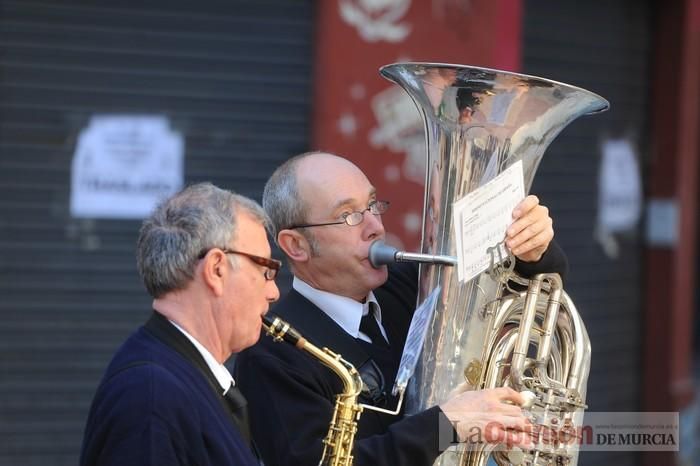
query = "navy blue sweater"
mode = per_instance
[{"x": 154, "y": 406}]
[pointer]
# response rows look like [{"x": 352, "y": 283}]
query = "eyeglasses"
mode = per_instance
[
  {"x": 272, "y": 266},
  {"x": 353, "y": 218}
]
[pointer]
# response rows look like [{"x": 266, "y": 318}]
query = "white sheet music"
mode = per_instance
[{"x": 482, "y": 217}]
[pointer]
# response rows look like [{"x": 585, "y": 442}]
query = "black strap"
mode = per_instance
[{"x": 370, "y": 327}]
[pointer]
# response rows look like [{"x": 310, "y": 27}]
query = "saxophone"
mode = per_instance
[{"x": 338, "y": 444}]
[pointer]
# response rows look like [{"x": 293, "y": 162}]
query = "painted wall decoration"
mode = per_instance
[
  {"x": 360, "y": 115},
  {"x": 377, "y": 19}
]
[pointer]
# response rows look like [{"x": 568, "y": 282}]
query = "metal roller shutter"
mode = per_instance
[{"x": 232, "y": 77}]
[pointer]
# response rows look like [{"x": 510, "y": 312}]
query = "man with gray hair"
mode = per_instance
[
  {"x": 166, "y": 397},
  {"x": 326, "y": 214}
]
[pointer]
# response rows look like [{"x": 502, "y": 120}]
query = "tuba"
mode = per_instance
[{"x": 478, "y": 123}]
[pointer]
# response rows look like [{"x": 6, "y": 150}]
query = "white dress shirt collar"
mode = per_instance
[
  {"x": 346, "y": 312},
  {"x": 223, "y": 376}
]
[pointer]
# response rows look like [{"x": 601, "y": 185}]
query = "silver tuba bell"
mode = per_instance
[{"x": 478, "y": 122}]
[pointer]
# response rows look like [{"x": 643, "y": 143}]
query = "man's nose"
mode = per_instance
[
  {"x": 373, "y": 225},
  {"x": 273, "y": 293}
]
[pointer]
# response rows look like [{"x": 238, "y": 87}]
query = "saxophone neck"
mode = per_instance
[{"x": 280, "y": 330}]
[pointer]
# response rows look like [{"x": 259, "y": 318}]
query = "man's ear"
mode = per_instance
[
  {"x": 294, "y": 245},
  {"x": 213, "y": 270}
]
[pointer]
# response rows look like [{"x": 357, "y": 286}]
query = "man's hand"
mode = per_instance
[
  {"x": 531, "y": 231},
  {"x": 491, "y": 416}
]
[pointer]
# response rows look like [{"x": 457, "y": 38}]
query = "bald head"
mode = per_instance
[
  {"x": 319, "y": 177},
  {"x": 299, "y": 182}
]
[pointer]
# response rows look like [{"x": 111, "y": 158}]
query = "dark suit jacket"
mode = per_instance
[
  {"x": 291, "y": 395},
  {"x": 159, "y": 404}
]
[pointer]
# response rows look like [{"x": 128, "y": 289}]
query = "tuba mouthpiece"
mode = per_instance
[{"x": 381, "y": 253}]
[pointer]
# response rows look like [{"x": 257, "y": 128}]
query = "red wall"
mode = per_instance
[
  {"x": 347, "y": 82},
  {"x": 674, "y": 170}
]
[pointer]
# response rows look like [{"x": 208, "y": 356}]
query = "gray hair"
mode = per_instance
[
  {"x": 282, "y": 201},
  {"x": 183, "y": 227}
]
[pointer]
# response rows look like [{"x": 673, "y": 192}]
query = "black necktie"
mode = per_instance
[
  {"x": 370, "y": 327},
  {"x": 239, "y": 411}
]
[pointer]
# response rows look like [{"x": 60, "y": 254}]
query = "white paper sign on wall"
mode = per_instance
[
  {"x": 124, "y": 165},
  {"x": 619, "y": 194},
  {"x": 620, "y": 187}
]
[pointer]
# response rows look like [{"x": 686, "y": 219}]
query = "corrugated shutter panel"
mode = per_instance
[
  {"x": 233, "y": 77},
  {"x": 603, "y": 47}
]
